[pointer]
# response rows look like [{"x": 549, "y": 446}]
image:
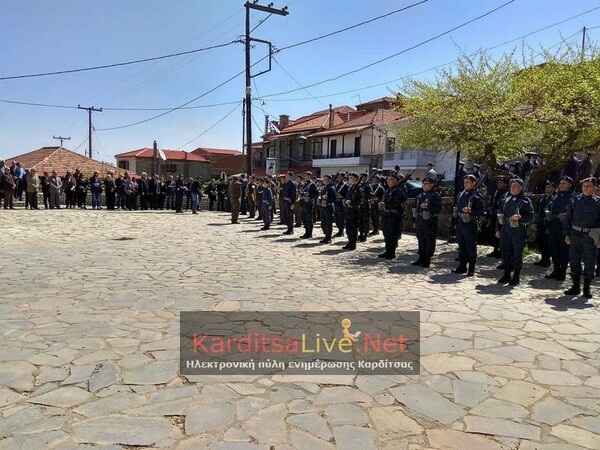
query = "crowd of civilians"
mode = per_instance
[{"x": 122, "y": 191}]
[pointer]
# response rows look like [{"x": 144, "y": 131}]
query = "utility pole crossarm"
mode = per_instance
[{"x": 61, "y": 139}]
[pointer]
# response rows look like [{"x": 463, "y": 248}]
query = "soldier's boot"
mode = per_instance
[
  {"x": 552, "y": 275},
  {"x": 516, "y": 278},
  {"x": 418, "y": 262},
  {"x": 505, "y": 278},
  {"x": 471, "y": 270},
  {"x": 462, "y": 267},
  {"x": 561, "y": 275},
  {"x": 426, "y": 262},
  {"x": 500, "y": 266},
  {"x": 349, "y": 246},
  {"x": 306, "y": 235},
  {"x": 587, "y": 283},
  {"x": 576, "y": 288}
]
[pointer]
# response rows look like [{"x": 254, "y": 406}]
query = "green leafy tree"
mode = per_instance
[
  {"x": 472, "y": 108},
  {"x": 562, "y": 98}
]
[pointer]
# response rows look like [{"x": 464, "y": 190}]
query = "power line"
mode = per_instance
[
  {"x": 297, "y": 82},
  {"x": 212, "y": 126},
  {"x": 106, "y": 66},
  {"x": 352, "y": 26},
  {"x": 395, "y": 54},
  {"x": 173, "y": 109}
]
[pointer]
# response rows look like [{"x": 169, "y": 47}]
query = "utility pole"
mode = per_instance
[
  {"x": 61, "y": 139},
  {"x": 90, "y": 110},
  {"x": 583, "y": 45},
  {"x": 268, "y": 9},
  {"x": 244, "y": 161}
]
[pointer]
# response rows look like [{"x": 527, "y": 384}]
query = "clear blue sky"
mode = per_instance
[{"x": 41, "y": 36}]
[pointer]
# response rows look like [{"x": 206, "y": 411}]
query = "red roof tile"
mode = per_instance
[
  {"x": 204, "y": 151},
  {"x": 370, "y": 119},
  {"x": 176, "y": 155},
  {"x": 47, "y": 159}
]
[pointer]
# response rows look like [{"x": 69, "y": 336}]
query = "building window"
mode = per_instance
[
  {"x": 357, "y": 146},
  {"x": 124, "y": 165},
  {"x": 333, "y": 148},
  {"x": 170, "y": 168},
  {"x": 391, "y": 145}
]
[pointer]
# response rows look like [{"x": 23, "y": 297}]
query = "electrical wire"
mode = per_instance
[
  {"x": 106, "y": 66},
  {"x": 173, "y": 109},
  {"x": 212, "y": 126},
  {"x": 297, "y": 82},
  {"x": 395, "y": 54},
  {"x": 351, "y": 27}
]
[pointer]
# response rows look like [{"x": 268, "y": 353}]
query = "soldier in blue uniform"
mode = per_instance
[
  {"x": 266, "y": 203},
  {"x": 492, "y": 212},
  {"x": 392, "y": 207},
  {"x": 341, "y": 189},
  {"x": 514, "y": 215},
  {"x": 469, "y": 207},
  {"x": 308, "y": 194},
  {"x": 377, "y": 191},
  {"x": 582, "y": 232},
  {"x": 364, "y": 209},
  {"x": 352, "y": 204},
  {"x": 428, "y": 204},
  {"x": 540, "y": 219},
  {"x": 326, "y": 205},
  {"x": 288, "y": 196},
  {"x": 555, "y": 216}
]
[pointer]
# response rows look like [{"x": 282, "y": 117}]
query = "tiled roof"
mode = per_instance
[
  {"x": 47, "y": 159},
  {"x": 378, "y": 100},
  {"x": 373, "y": 118},
  {"x": 202, "y": 151},
  {"x": 173, "y": 155}
]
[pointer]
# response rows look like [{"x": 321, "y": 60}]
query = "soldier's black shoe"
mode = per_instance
[
  {"x": 494, "y": 254},
  {"x": 471, "y": 270},
  {"x": 349, "y": 246},
  {"x": 561, "y": 275},
  {"x": 264, "y": 228},
  {"x": 383, "y": 255},
  {"x": 339, "y": 234},
  {"x": 306, "y": 236},
  {"x": 425, "y": 264},
  {"x": 297, "y": 225},
  {"x": 418, "y": 262},
  {"x": 576, "y": 288},
  {"x": 551, "y": 276},
  {"x": 505, "y": 278},
  {"x": 374, "y": 233},
  {"x": 516, "y": 279},
  {"x": 587, "y": 283},
  {"x": 325, "y": 241},
  {"x": 362, "y": 239},
  {"x": 500, "y": 266},
  {"x": 460, "y": 269},
  {"x": 288, "y": 232}
]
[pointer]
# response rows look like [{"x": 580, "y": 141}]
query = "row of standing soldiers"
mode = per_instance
[
  {"x": 568, "y": 223},
  {"x": 356, "y": 206}
]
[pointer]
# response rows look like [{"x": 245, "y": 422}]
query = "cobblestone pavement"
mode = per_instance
[{"x": 89, "y": 342}]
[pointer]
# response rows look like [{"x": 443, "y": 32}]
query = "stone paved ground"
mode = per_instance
[{"x": 89, "y": 305}]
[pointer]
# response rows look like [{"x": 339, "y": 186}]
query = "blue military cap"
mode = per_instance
[
  {"x": 566, "y": 178},
  {"x": 592, "y": 180}
]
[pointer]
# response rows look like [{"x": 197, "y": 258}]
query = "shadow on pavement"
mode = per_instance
[{"x": 565, "y": 303}]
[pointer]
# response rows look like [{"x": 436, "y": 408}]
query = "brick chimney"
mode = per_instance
[
  {"x": 330, "y": 116},
  {"x": 284, "y": 121}
]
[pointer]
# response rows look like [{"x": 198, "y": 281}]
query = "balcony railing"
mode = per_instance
[{"x": 341, "y": 155}]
